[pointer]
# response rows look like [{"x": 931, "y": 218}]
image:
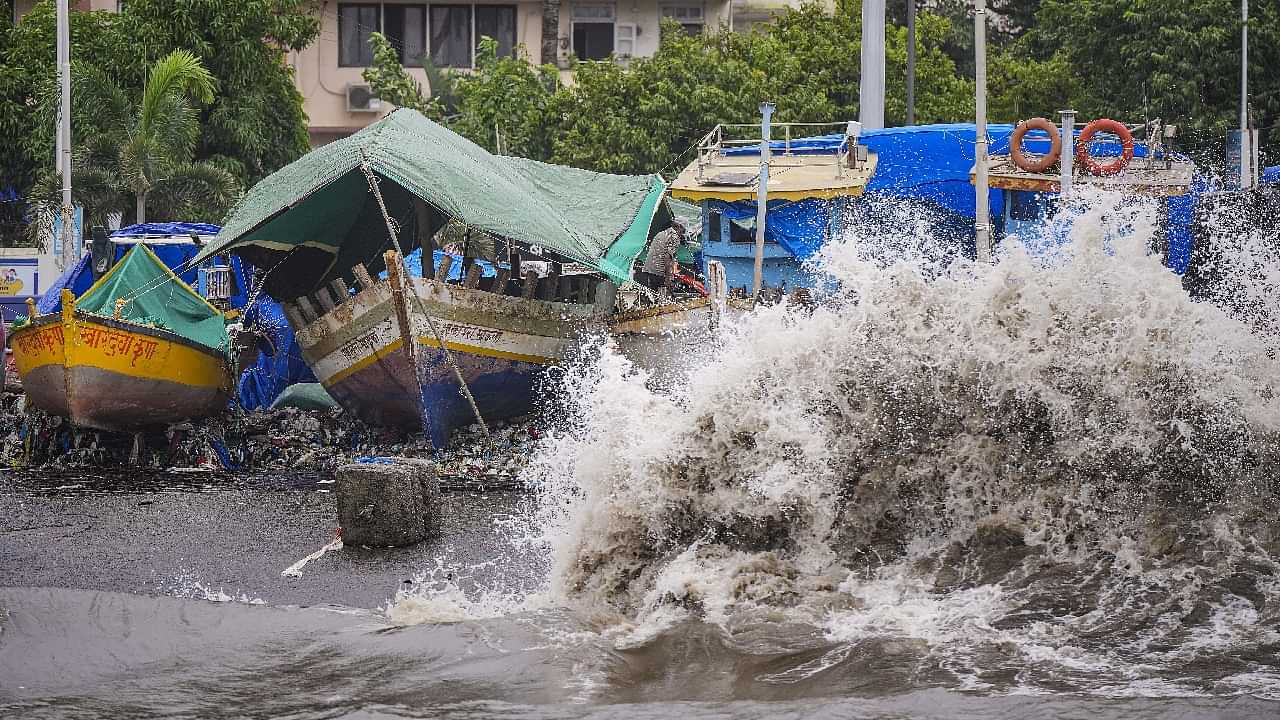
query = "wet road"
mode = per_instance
[{"x": 202, "y": 536}]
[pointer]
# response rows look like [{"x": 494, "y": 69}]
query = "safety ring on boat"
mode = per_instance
[
  {"x": 1111, "y": 126},
  {"x": 1046, "y": 161}
]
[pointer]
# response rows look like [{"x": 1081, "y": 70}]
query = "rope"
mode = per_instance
[{"x": 448, "y": 354}]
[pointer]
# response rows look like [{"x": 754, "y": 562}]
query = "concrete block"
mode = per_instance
[{"x": 390, "y": 502}]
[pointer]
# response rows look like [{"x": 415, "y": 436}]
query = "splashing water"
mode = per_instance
[{"x": 1050, "y": 473}]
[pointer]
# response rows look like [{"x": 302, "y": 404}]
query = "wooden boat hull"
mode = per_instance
[
  {"x": 117, "y": 376},
  {"x": 501, "y": 345}
]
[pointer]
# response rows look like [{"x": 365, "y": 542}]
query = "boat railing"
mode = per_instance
[{"x": 716, "y": 149}]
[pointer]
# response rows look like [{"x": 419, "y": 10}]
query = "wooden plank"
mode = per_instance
[
  {"x": 551, "y": 287},
  {"x": 442, "y": 272},
  {"x": 340, "y": 291},
  {"x": 530, "y": 285},
  {"x": 325, "y": 299},
  {"x": 473, "y": 276},
  {"x": 308, "y": 310},
  {"x": 362, "y": 276},
  {"x": 500, "y": 282}
]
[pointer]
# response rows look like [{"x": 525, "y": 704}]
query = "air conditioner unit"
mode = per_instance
[{"x": 360, "y": 98}]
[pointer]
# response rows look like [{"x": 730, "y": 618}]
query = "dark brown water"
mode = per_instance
[{"x": 1007, "y": 492}]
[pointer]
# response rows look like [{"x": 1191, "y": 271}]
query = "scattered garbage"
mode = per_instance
[{"x": 285, "y": 440}]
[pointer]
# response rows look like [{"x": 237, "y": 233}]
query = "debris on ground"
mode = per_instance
[{"x": 284, "y": 440}]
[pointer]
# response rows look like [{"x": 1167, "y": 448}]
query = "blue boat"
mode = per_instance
[{"x": 930, "y": 165}]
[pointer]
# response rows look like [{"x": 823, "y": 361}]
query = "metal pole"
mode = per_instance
[
  {"x": 762, "y": 198},
  {"x": 70, "y": 251},
  {"x": 871, "y": 86},
  {"x": 1246, "y": 155},
  {"x": 982, "y": 224},
  {"x": 1068, "y": 150},
  {"x": 911, "y": 62}
]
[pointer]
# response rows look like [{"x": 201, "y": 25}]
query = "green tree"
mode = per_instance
[
  {"x": 144, "y": 150},
  {"x": 389, "y": 80},
  {"x": 1179, "y": 61},
  {"x": 509, "y": 98},
  {"x": 255, "y": 123}
]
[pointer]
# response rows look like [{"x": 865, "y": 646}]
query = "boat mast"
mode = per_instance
[
  {"x": 982, "y": 218},
  {"x": 1246, "y": 151},
  {"x": 70, "y": 253},
  {"x": 762, "y": 198},
  {"x": 871, "y": 86}
]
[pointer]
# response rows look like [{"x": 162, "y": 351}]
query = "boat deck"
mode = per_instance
[
  {"x": 791, "y": 177},
  {"x": 1143, "y": 176}
]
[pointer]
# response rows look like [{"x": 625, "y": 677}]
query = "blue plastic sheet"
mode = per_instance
[
  {"x": 1271, "y": 175},
  {"x": 279, "y": 362},
  {"x": 167, "y": 229},
  {"x": 413, "y": 264},
  {"x": 800, "y": 226},
  {"x": 78, "y": 278}
]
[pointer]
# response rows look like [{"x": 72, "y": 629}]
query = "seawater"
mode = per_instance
[{"x": 1044, "y": 487}]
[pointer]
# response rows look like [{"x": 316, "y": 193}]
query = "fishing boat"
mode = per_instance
[
  {"x": 138, "y": 349},
  {"x": 445, "y": 346},
  {"x": 809, "y": 184}
]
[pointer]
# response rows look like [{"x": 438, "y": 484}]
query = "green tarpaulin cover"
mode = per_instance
[
  {"x": 156, "y": 297},
  {"x": 314, "y": 219}
]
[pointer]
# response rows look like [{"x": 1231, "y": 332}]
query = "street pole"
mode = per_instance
[
  {"x": 762, "y": 198},
  {"x": 1246, "y": 154},
  {"x": 871, "y": 84},
  {"x": 70, "y": 251},
  {"x": 982, "y": 216},
  {"x": 911, "y": 62}
]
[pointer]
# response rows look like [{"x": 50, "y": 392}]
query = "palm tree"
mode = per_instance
[{"x": 144, "y": 152}]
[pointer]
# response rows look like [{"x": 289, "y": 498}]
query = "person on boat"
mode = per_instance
[{"x": 660, "y": 264}]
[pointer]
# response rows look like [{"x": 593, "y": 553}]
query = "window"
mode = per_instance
[
  {"x": 499, "y": 23},
  {"x": 406, "y": 29},
  {"x": 355, "y": 24},
  {"x": 445, "y": 33},
  {"x": 451, "y": 44},
  {"x": 625, "y": 41},
  {"x": 593, "y": 31},
  {"x": 689, "y": 16}
]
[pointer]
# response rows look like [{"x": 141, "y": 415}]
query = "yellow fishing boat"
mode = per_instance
[{"x": 139, "y": 349}]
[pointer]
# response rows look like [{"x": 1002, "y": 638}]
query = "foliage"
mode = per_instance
[
  {"x": 645, "y": 118},
  {"x": 1179, "y": 61},
  {"x": 389, "y": 80},
  {"x": 506, "y": 96},
  {"x": 255, "y": 123},
  {"x": 141, "y": 150}
]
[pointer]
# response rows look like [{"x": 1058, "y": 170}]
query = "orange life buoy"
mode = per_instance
[
  {"x": 1104, "y": 125},
  {"x": 1015, "y": 145}
]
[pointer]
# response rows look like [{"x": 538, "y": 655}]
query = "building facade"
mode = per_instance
[
  {"x": 329, "y": 72},
  {"x": 338, "y": 102}
]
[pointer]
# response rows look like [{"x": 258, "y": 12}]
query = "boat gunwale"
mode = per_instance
[{"x": 147, "y": 330}]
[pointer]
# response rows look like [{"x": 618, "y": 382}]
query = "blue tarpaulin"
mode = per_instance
[
  {"x": 279, "y": 362},
  {"x": 413, "y": 264},
  {"x": 78, "y": 278},
  {"x": 800, "y": 226},
  {"x": 1271, "y": 174}
]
